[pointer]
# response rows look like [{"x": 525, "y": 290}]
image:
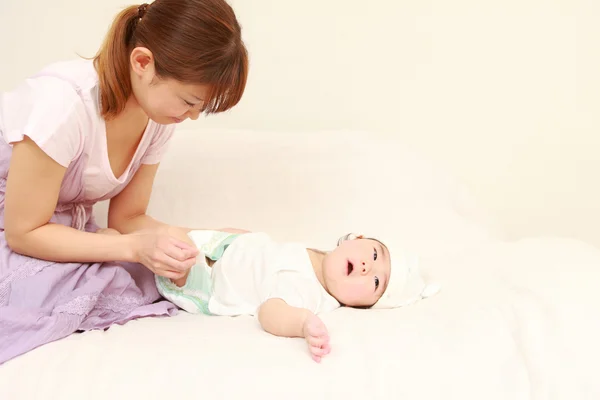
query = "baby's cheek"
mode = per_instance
[{"x": 354, "y": 292}]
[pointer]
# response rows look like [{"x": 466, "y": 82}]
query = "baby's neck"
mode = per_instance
[{"x": 316, "y": 259}]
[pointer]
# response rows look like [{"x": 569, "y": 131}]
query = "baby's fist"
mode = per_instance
[{"x": 317, "y": 337}]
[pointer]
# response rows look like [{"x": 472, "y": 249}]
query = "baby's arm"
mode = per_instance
[{"x": 280, "y": 319}]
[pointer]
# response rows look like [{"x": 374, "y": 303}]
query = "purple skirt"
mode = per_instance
[{"x": 42, "y": 301}]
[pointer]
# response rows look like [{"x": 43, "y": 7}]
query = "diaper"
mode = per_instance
[{"x": 195, "y": 295}]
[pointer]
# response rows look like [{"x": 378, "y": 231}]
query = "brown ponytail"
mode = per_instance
[
  {"x": 193, "y": 41},
  {"x": 112, "y": 63}
]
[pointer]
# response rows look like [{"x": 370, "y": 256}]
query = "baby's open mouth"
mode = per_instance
[{"x": 350, "y": 267}]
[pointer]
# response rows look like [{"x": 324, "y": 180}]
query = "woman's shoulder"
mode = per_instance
[
  {"x": 61, "y": 86},
  {"x": 54, "y": 107},
  {"x": 80, "y": 74},
  {"x": 65, "y": 80}
]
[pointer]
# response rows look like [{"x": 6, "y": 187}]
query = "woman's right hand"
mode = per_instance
[{"x": 162, "y": 253}]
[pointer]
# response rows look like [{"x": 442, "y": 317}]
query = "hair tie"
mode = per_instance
[{"x": 142, "y": 10}]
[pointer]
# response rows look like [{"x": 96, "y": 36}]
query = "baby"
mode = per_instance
[{"x": 286, "y": 285}]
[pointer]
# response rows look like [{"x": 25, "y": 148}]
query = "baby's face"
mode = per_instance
[{"x": 356, "y": 273}]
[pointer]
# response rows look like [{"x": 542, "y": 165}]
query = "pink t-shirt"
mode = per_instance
[{"x": 59, "y": 110}]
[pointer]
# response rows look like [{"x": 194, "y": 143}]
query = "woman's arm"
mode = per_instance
[
  {"x": 33, "y": 186},
  {"x": 127, "y": 210}
]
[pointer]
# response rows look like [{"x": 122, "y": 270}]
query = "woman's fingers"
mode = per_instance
[
  {"x": 171, "y": 259},
  {"x": 177, "y": 257},
  {"x": 170, "y": 274},
  {"x": 176, "y": 253},
  {"x": 173, "y": 264},
  {"x": 188, "y": 249}
]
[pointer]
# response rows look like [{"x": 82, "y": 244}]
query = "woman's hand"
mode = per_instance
[{"x": 162, "y": 253}]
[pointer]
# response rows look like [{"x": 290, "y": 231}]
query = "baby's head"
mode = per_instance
[{"x": 363, "y": 272}]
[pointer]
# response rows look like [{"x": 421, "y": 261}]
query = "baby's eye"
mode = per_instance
[
  {"x": 374, "y": 254},
  {"x": 376, "y": 283},
  {"x": 188, "y": 103}
]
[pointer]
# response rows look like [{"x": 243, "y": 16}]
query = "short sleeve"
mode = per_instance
[
  {"x": 50, "y": 112},
  {"x": 295, "y": 289},
  {"x": 159, "y": 144}
]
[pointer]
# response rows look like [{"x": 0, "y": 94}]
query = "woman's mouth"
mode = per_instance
[{"x": 350, "y": 268}]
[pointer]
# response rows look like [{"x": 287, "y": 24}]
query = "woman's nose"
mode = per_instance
[{"x": 193, "y": 114}]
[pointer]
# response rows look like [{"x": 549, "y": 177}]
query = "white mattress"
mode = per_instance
[{"x": 514, "y": 321}]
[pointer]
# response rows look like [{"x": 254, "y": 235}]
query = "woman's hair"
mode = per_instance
[{"x": 193, "y": 41}]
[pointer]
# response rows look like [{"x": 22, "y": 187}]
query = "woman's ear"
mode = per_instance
[{"x": 142, "y": 62}]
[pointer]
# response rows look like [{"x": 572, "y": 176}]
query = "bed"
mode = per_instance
[{"x": 513, "y": 320}]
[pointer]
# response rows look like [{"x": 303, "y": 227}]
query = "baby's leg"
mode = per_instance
[{"x": 181, "y": 281}]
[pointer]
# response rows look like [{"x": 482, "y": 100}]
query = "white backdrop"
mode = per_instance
[{"x": 506, "y": 94}]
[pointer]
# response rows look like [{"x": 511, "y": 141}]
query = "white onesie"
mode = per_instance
[{"x": 252, "y": 269}]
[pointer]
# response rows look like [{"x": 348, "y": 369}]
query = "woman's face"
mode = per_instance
[{"x": 165, "y": 101}]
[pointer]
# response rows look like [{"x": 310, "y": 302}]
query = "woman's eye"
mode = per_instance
[
  {"x": 187, "y": 103},
  {"x": 374, "y": 254},
  {"x": 376, "y": 283}
]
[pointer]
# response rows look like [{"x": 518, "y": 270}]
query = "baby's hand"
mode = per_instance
[{"x": 317, "y": 337}]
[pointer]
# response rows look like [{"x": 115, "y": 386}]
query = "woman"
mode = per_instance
[{"x": 90, "y": 130}]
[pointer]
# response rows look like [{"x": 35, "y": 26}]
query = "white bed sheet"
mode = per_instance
[{"x": 513, "y": 321}]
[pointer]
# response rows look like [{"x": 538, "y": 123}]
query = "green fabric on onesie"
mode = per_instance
[{"x": 194, "y": 296}]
